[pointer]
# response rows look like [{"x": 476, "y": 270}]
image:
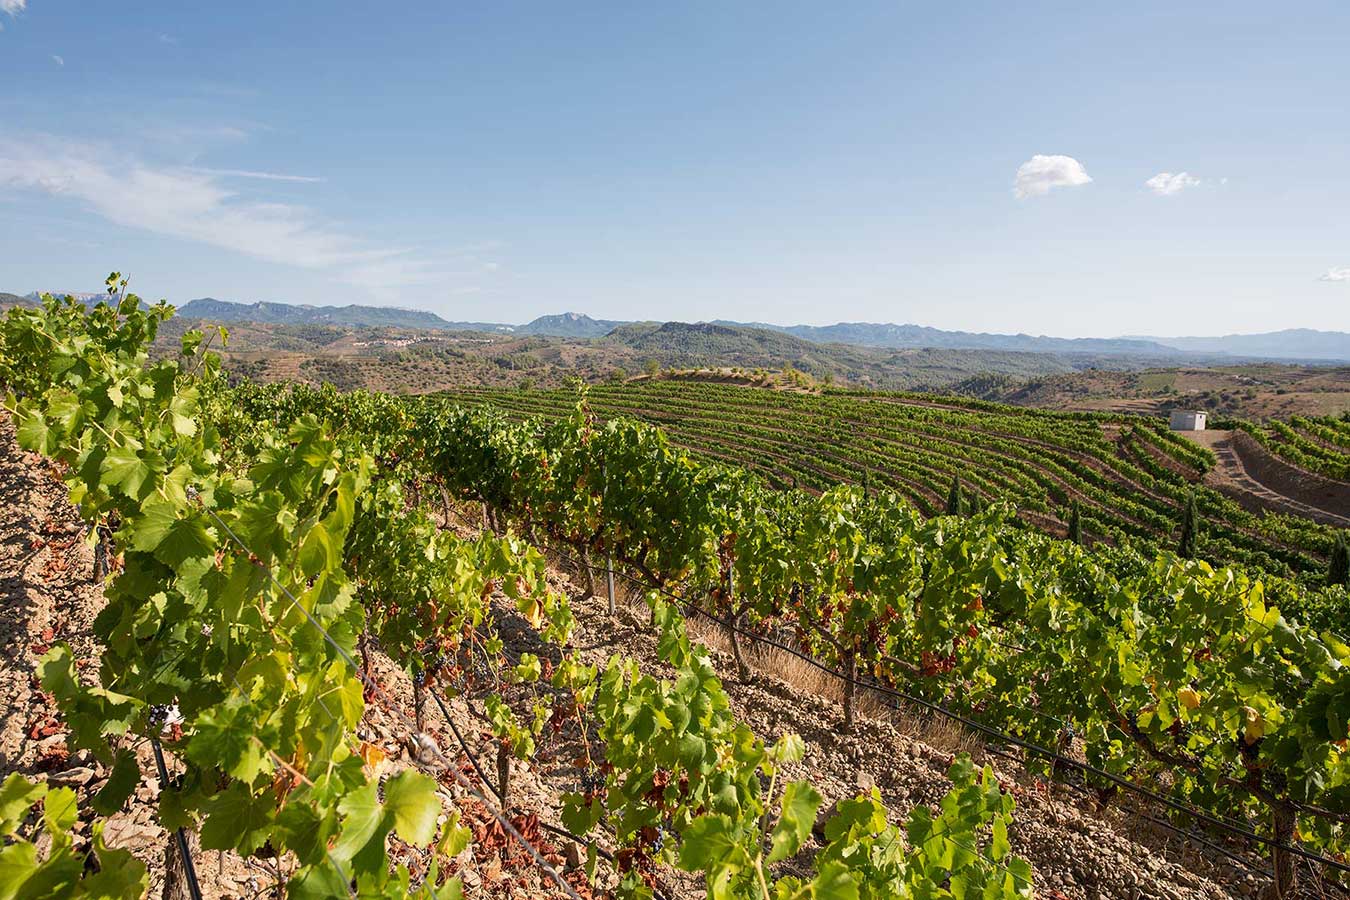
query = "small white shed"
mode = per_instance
[{"x": 1188, "y": 420}]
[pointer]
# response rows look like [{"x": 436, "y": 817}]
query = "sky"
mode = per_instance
[{"x": 1064, "y": 169}]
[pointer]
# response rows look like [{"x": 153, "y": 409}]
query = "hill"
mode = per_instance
[
  {"x": 569, "y": 324},
  {"x": 1129, "y": 474},
  {"x": 868, "y": 334},
  {"x": 291, "y": 314},
  {"x": 1292, "y": 343}
]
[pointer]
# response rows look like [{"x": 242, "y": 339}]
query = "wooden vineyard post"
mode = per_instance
[
  {"x": 504, "y": 771},
  {"x": 850, "y": 677},
  {"x": 1282, "y": 861},
  {"x": 609, "y": 563},
  {"x": 733, "y": 631},
  {"x": 609, "y": 581}
]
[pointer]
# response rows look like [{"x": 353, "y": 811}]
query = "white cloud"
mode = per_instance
[
  {"x": 1039, "y": 174},
  {"x": 1164, "y": 184},
  {"x": 1334, "y": 274},
  {"x": 261, "y": 176},
  {"x": 58, "y": 60},
  {"x": 167, "y": 39},
  {"x": 193, "y": 204},
  {"x": 13, "y": 7}
]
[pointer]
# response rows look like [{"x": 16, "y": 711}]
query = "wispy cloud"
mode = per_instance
[
  {"x": 58, "y": 60},
  {"x": 1038, "y": 175},
  {"x": 1165, "y": 184},
  {"x": 196, "y": 205},
  {"x": 13, "y": 7},
  {"x": 260, "y": 176},
  {"x": 1336, "y": 274},
  {"x": 167, "y": 39}
]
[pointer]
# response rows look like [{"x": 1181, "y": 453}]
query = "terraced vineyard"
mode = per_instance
[
  {"x": 1129, "y": 475},
  {"x": 1319, "y": 444}
]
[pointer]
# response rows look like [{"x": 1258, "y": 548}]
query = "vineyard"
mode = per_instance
[
  {"x": 1319, "y": 444},
  {"x": 259, "y": 543},
  {"x": 1130, "y": 476}
]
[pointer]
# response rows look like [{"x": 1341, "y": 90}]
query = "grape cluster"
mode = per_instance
[
  {"x": 434, "y": 658},
  {"x": 157, "y": 716},
  {"x": 419, "y": 677},
  {"x": 659, "y": 842},
  {"x": 592, "y": 782}
]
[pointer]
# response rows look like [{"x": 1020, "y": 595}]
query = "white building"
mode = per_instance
[{"x": 1187, "y": 420}]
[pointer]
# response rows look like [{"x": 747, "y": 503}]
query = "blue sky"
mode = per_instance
[{"x": 784, "y": 162}]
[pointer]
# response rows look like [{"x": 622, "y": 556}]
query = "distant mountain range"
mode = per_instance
[
  {"x": 897, "y": 337},
  {"x": 1291, "y": 344}
]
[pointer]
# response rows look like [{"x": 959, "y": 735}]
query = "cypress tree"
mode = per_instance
[
  {"x": 954, "y": 497},
  {"x": 1338, "y": 572},
  {"x": 1190, "y": 524},
  {"x": 1075, "y": 524}
]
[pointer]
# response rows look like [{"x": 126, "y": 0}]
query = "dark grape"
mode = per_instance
[{"x": 157, "y": 716}]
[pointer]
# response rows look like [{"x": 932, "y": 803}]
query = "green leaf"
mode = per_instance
[
  {"x": 302, "y": 832},
  {"x": 454, "y": 837},
  {"x": 707, "y": 842},
  {"x": 186, "y": 539},
  {"x": 224, "y": 737},
  {"x": 318, "y": 552},
  {"x": 236, "y": 820},
  {"x": 34, "y": 435},
  {"x": 453, "y": 889},
  {"x": 1000, "y": 846},
  {"x": 321, "y": 881},
  {"x": 790, "y": 748},
  {"x": 800, "y": 803},
  {"x": 17, "y": 796},
  {"x": 124, "y": 468},
  {"x": 834, "y": 882},
  {"x": 126, "y": 774},
  {"x": 411, "y": 798},
  {"x": 18, "y": 863},
  {"x": 363, "y": 816},
  {"x": 59, "y": 809},
  {"x": 181, "y": 408},
  {"x": 121, "y": 875}
]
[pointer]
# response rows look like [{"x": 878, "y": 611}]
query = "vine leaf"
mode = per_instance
[
  {"x": 126, "y": 774},
  {"x": 410, "y": 798},
  {"x": 236, "y": 820},
  {"x": 800, "y": 804}
]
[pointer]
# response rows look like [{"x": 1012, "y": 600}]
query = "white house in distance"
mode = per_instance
[{"x": 1187, "y": 420}]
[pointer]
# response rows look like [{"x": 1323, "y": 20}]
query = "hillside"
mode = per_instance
[
  {"x": 1128, "y": 475},
  {"x": 1130, "y": 352},
  {"x": 266, "y": 313},
  {"x": 1258, "y": 391},
  {"x": 1292, "y": 343},
  {"x": 870, "y": 334},
  {"x": 904, "y": 754},
  {"x": 419, "y": 360},
  {"x": 569, "y": 324},
  {"x": 338, "y": 559}
]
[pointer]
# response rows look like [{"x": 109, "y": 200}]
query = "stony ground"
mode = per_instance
[{"x": 1077, "y": 849}]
